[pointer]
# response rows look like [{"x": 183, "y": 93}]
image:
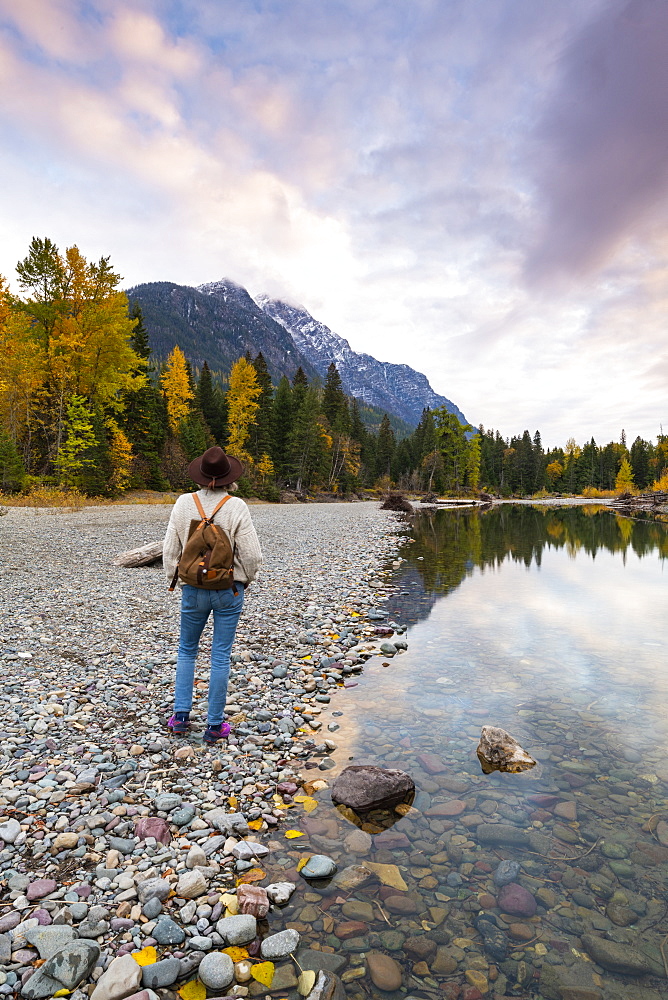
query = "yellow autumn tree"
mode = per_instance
[
  {"x": 242, "y": 407},
  {"x": 624, "y": 481},
  {"x": 22, "y": 372},
  {"x": 554, "y": 470},
  {"x": 77, "y": 330},
  {"x": 120, "y": 457},
  {"x": 176, "y": 386},
  {"x": 264, "y": 468}
]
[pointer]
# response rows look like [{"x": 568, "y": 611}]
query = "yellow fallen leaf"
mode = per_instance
[
  {"x": 306, "y": 982},
  {"x": 306, "y": 657},
  {"x": 233, "y": 802},
  {"x": 292, "y": 834},
  {"x": 354, "y": 614},
  {"x": 263, "y": 973},
  {"x": 300, "y": 798},
  {"x": 236, "y": 954},
  {"x": 255, "y": 824},
  {"x": 231, "y": 903},
  {"x": 388, "y": 874},
  {"x": 62, "y": 993},
  {"x": 310, "y": 804},
  {"x": 147, "y": 956},
  {"x": 194, "y": 990},
  {"x": 253, "y": 875},
  {"x": 302, "y": 862}
]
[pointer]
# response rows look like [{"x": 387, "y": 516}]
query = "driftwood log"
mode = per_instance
[
  {"x": 642, "y": 501},
  {"x": 143, "y": 556}
]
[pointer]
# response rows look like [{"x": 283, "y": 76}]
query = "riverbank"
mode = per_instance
[{"x": 96, "y": 800}]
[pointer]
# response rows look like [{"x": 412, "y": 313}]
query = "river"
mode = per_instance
[{"x": 550, "y": 623}]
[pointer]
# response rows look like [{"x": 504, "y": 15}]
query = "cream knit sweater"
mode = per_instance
[{"x": 233, "y": 517}]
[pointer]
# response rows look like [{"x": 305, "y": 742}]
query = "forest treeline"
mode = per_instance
[{"x": 83, "y": 406}]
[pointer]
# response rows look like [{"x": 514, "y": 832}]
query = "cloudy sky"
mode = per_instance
[{"x": 478, "y": 188}]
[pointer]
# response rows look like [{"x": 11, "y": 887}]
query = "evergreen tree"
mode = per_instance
[
  {"x": 357, "y": 429},
  {"x": 194, "y": 435},
  {"x": 640, "y": 459},
  {"x": 526, "y": 464},
  {"x": 299, "y": 387},
  {"x": 211, "y": 402},
  {"x": 385, "y": 446},
  {"x": 282, "y": 419},
  {"x": 309, "y": 443},
  {"x": 587, "y": 466},
  {"x": 97, "y": 474},
  {"x": 334, "y": 401},
  {"x": 12, "y": 472},
  {"x": 473, "y": 463},
  {"x": 453, "y": 446},
  {"x": 139, "y": 338},
  {"x": 143, "y": 417}
]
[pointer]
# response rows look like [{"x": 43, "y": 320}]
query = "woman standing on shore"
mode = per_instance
[{"x": 214, "y": 471}]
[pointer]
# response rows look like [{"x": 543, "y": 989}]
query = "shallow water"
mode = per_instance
[{"x": 551, "y": 624}]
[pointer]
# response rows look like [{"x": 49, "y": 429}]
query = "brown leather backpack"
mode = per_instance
[{"x": 207, "y": 560}]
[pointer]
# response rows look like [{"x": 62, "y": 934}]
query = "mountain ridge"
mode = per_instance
[
  {"x": 398, "y": 388},
  {"x": 218, "y": 321},
  {"x": 217, "y": 325}
]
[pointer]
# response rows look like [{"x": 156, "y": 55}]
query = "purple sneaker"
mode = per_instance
[
  {"x": 220, "y": 732},
  {"x": 179, "y": 723}
]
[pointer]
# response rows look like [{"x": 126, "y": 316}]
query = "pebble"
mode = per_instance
[
  {"x": 49, "y": 940},
  {"x": 237, "y": 930},
  {"x": 9, "y": 830},
  {"x": 279, "y": 893},
  {"x": 121, "y": 978},
  {"x": 191, "y": 884},
  {"x": 506, "y": 872},
  {"x": 280, "y": 945},
  {"x": 319, "y": 866},
  {"x": 42, "y": 887},
  {"x": 166, "y": 931},
  {"x": 216, "y": 970},
  {"x": 516, "y": 900},
  {"x": 385, "y": 971},
  {"x": 161, "y": 974}
]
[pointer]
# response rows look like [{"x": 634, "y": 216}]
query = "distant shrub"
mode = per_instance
[
  {"x": 661, "y": 484},
  {"x": 46, "y": 495},
  {"x": 593, "y": 492}
]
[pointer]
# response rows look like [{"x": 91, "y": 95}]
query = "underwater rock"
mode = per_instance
[
  {"x": 499, "y": 751},
  {"x": 365, "y": 787}
]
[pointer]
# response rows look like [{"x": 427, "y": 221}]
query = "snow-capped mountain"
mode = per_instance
[{"x": 396, "y": 389}]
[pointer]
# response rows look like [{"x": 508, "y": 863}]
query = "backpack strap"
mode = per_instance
[{"x": 198, "y": 504}]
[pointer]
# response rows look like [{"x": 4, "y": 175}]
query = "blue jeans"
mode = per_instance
[{"x": 196, "y": 606}]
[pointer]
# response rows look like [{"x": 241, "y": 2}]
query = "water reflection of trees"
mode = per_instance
[{"x": 449, "y": 545}]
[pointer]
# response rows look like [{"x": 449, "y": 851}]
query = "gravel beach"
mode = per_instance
[{"x": 115, "y": 836}]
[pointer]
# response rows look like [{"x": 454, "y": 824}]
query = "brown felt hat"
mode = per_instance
[{"x": 215, "y": 469}]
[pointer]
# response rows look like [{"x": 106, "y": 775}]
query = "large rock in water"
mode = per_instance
[
  {"x": 499, "y": 751},
  {"x": 620, "y": 957},
  {"x": 364, "y": 787}
]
